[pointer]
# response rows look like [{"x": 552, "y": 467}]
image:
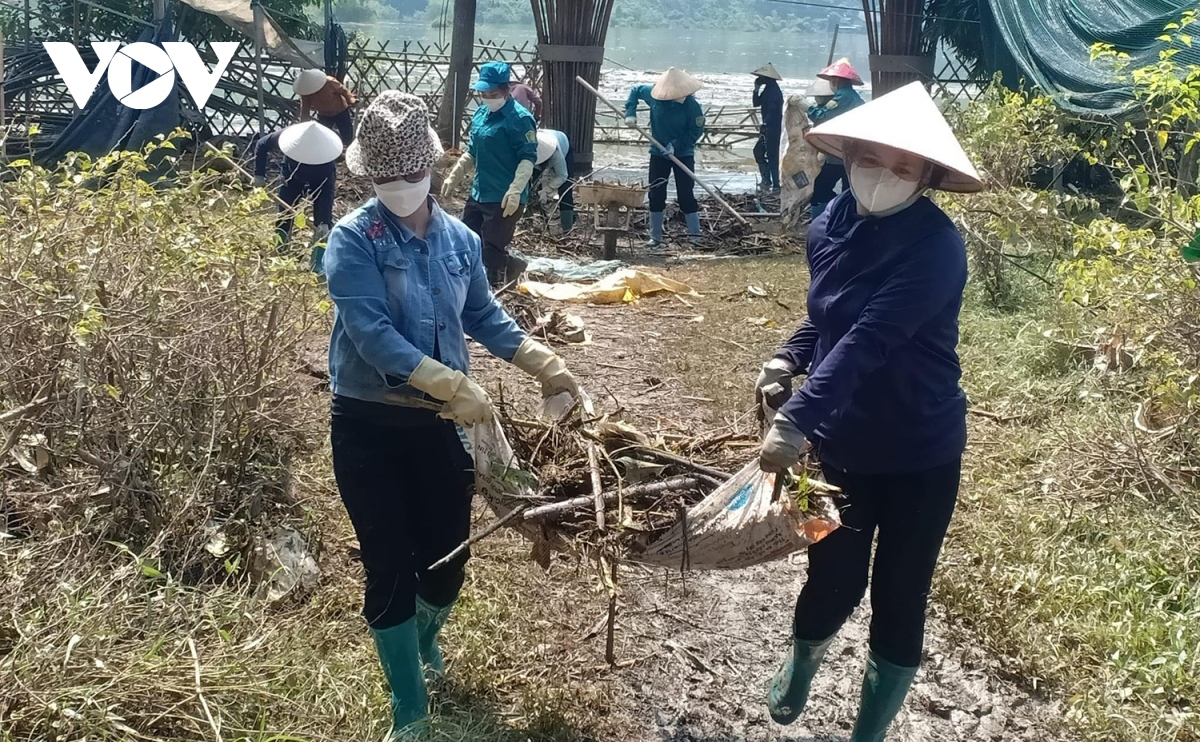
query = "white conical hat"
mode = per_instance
[
  {"x": 820, "y": 88},
  {"x": 309, "y": 82},
  {"x": 768, "y": 70},
  {"x": 675, "y": 84},
  {"x": 310, "y": 143},
  {"x": 906, "y": 119},
  {"x": 547, "y": 143}
]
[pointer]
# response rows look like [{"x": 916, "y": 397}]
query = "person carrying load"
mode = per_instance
[
  {"x": 841, "y": 98},
  {"x": 408, "y": 287},
  {"x": 502, "y": 150},
  {"x": 676, "y": 121},
  {"x": 878, "y": 394}
]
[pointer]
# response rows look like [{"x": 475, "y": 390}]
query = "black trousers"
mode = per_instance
[
  {"x": 766, "y": 154},
  {"x": 910, "y": 512},
  {"x": 826, "y": 181},
  {"x": 495, "y": 231},
  {"x": 661, "y": 169},
  {"x": 343, "y": 123},
  {"x": 406, "y": 482},
  {"x": 294, "y": 189}
]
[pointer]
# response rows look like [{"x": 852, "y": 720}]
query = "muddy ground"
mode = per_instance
[{"x": 696, "y": 651}]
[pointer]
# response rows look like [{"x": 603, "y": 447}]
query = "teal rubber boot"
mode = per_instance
[
  {"x": 566, "y": 219},
  {"x": 401, "y": 660},
  {"x": 430, "y": 620},
  {"x": 884, "y": 688},
  {"x": 788, "y": 692},
  {"x": 693, "y": 225},
  {"x": 657, "y": 218},
  {"x": 316, "y": 260}
]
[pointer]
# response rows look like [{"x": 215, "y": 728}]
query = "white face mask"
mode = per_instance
[
  {"x": 401, "y": 197},
  {"x": 494, "y": 104},
  {"x": 880, "y": 192}
]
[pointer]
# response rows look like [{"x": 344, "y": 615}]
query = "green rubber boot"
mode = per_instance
[
  {"x": 883, "y": 690},
  {"x": 566, "y": 219},
  {"x": 401, "y": 660},
  {"x": 430, "y": 620},
  {"x": 788, "y": 692}
]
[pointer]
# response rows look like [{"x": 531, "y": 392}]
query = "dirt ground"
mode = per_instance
[{"x": 696, "y": 651}]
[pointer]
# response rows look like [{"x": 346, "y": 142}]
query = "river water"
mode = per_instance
[{"x": 723, "y": 60}]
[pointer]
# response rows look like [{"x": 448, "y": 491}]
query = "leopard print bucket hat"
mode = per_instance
[{"x": 393, "y": 138}]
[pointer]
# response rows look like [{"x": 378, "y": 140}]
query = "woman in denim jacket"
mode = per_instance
[{"x": 409, "y": 286}]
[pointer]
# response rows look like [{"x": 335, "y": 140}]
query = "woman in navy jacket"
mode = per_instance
[{"x": 881, "y": 402}]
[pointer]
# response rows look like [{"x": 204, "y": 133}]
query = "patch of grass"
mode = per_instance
[{"x": 1067, "y": 553}]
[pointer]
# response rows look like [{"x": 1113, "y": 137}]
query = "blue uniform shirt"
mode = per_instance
[
  {"x": 878, "y": 345},
  {"x": 399, "y": 298},
  {"x": 843, "y": 100},
  {"x": 674, "y": 123},
  {"x": 499, "y": 141}
]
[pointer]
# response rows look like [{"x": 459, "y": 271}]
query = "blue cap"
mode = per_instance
[{"x": 492, "y": 75}]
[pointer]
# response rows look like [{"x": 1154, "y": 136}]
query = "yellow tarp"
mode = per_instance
[{"x": 623, "y": 286}]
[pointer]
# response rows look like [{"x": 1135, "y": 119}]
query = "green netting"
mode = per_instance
[{"x": 1050, "y": 44}]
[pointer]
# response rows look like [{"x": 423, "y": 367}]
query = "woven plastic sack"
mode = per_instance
[
  {"x": 741, "y": 524},
  {"x": 800, "y": 163}
]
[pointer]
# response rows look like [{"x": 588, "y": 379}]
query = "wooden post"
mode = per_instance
[
  {"x": 3, "y": 120},
  {"x": 259, "y": 43},
  {"x": 833, "y": 44},
  {"x": 458, "y": 77},
  {"x": 160, "y": 10}
]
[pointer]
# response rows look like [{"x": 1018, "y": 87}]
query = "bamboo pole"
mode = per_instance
[
  {"x": 711, "y": 191},
  {"x": 259, "y": 43}
]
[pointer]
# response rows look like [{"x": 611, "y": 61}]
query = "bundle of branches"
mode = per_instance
[{"x": 605, "y": 488}]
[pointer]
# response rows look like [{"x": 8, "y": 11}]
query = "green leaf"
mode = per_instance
[
  {"x": 1191, "y": 251},
  {"x": 1186, "y": 39},
  {"x": 20, "y": 163},
  {"x": 1162, "y": 140}
]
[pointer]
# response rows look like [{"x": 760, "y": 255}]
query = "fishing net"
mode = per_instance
[{"x": 1050, "y": 43}]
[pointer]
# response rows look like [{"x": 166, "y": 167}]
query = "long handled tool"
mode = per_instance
[{"x": 711, "y": 191}]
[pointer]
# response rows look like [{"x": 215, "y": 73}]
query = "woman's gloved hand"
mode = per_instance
[
  {"x": 631, "y": 121},
  {"x": 466, "y": 402},
  {"x": 782, "y": 447},
  {"x": 512, "y": 198},
  {"x": 544, "y": 365},
  {"x": 774, "y": 371},
  {"x": 457, "y": 174}
]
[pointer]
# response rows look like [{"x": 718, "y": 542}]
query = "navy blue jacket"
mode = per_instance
[
  {"x": 878, "y": 345},
  {"x": 769, "y": 99},
  {"x": 295, "y": 174}
]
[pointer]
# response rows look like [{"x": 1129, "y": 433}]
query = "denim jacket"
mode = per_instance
[{"x": 398, "y": 299}]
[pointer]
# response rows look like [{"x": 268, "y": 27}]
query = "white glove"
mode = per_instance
[
  {"x": 782, "y": 447},
  {"x": 774, "y": 371},
  {"x": 258, "y": 181},
  {"x": 457, "y": 174},
  {"x": 512, "y": 198},
  {"x": 321, "y": 233},
  {"x": 544, "y": 365},
  {"x": 670, "y": 150},
  {"x": 631, "y": 121},
  {"x": 466, "y": 402}
]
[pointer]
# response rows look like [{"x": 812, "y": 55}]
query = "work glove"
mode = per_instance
[
  {"x": 542, "y": 364},
  {"x": 669, "y": 150},
  {"x": 321, "y": 233},
  {"x": 774, "y": 371},
  {"x": 782, "y": 447},
  {"x": 258, "y": 181},
  {"x": 631, "y": 121},
  {"x": 512, "y": 198},
  {"x": 457, "y": 174},
  {"x": 466, "y": 402}
]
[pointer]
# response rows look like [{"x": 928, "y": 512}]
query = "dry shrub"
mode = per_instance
[{"x": 147, "y": 394}]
